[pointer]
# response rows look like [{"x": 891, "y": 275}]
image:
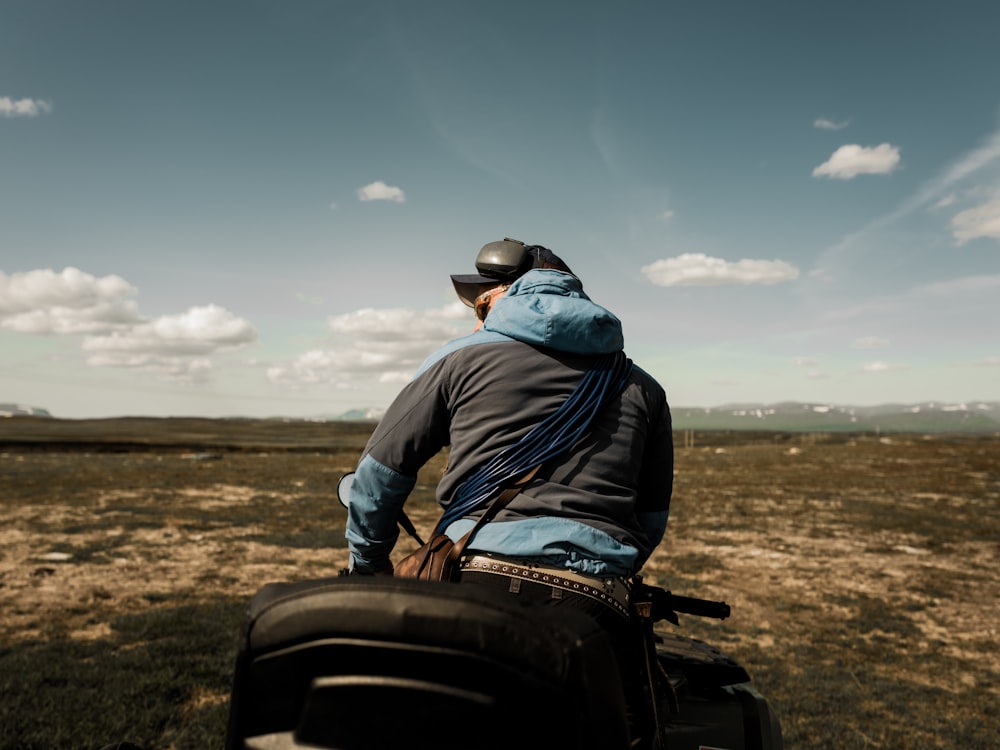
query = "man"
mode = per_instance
[
  {"x": 599, "y": 509},
  {"x": 590, "y": 517}
]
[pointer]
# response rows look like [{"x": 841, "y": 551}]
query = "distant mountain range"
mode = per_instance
[
  {"x": 930, "y": 417},
  {"x": 20, "y": 410},
  {"x": 978, "y": 417}
]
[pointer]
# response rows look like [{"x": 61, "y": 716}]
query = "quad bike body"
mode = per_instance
[{"x": 363, "y": 663}]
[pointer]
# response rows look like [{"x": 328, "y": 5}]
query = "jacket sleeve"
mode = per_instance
[
  {"x": 376, "y": 499},
  {"x": 413, "y": 430},
  {"x": 656, "y": 481}
]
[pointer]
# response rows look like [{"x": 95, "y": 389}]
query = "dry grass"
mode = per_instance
[{"x": 863, "y": 573}]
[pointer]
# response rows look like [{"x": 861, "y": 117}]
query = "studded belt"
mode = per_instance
[{"x": 610, "y": 591}]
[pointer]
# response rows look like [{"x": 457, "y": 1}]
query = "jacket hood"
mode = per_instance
[{"x": 549, "y": 308}]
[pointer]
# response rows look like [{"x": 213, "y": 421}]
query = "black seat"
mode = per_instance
[{"x": 367, "y": 663}]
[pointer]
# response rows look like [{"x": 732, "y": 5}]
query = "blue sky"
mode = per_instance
[{"x": 252, "y": 208}]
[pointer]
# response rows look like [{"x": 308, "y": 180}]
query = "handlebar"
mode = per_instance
[
  {"x": 698, "y": 607},
  {"x": 664, "y": 605}
]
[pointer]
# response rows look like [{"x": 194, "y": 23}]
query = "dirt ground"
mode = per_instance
[{"x": 868, "y": 560}]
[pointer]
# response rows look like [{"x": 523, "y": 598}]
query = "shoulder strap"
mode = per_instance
[{"x": 491, "y": 512}]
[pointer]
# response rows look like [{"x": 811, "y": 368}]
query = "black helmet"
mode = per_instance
[{"x": 503, "y": 262}]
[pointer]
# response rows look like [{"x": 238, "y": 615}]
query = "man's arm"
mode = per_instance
[
  {"x": 377, "y": 497},
  {"x": 413, "y": 430},
  {"x": 656, "y": 480}
]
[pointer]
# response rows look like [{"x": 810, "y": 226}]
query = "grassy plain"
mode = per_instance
[{"x": 863, "y": 572}]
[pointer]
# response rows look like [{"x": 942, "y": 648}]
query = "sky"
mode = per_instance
[{"x": 253, "y": 208}]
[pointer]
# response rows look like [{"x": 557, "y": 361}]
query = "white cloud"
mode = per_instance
[
  {"x": 956, "y": 180},
  {"x": 379, "y": 191},
  {"x": 69, "y": 288},
  {"x": 345, "y": 366},
  {"x": 66, "y": 320},
  {"x": 71, "y": 301},
  {"x": 173, "y": 347},
  {"x": 199, "y": 331},
  {"x": 697, "y": 269},
  {"x": 325, "y": 366},
  {"x": 824, "y": 123},
  {"x": 805, "y": 362},
  {"x": 989, "y": 362},
  {"x": 851, "y": 160},
  {"x": 23, "y": 107},
  {"x": 342, "y": 368},
  {"x": 176, "y": 369},
  {"x": 869, "y": 342},
  {"x": 981, "y": 221},
  {"x": 454, "y": 311},
  {"x": 383, "y": 345},
  {"x": 395, "y": 324}
]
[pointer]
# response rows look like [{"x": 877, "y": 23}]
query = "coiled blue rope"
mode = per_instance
[{"x": 553, "y": 435}]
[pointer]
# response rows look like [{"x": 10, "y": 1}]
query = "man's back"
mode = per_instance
[{"x": 600, "y": 508}]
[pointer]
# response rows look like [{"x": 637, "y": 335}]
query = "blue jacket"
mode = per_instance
[{"x": 600, "y": 508}]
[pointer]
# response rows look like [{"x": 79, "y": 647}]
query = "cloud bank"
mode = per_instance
[
  {"x": 102, "y": 310},
  {"x": 71, "y": 301}
]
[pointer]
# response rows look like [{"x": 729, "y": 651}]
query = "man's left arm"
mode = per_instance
[{"x": 656, "y": 481}]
